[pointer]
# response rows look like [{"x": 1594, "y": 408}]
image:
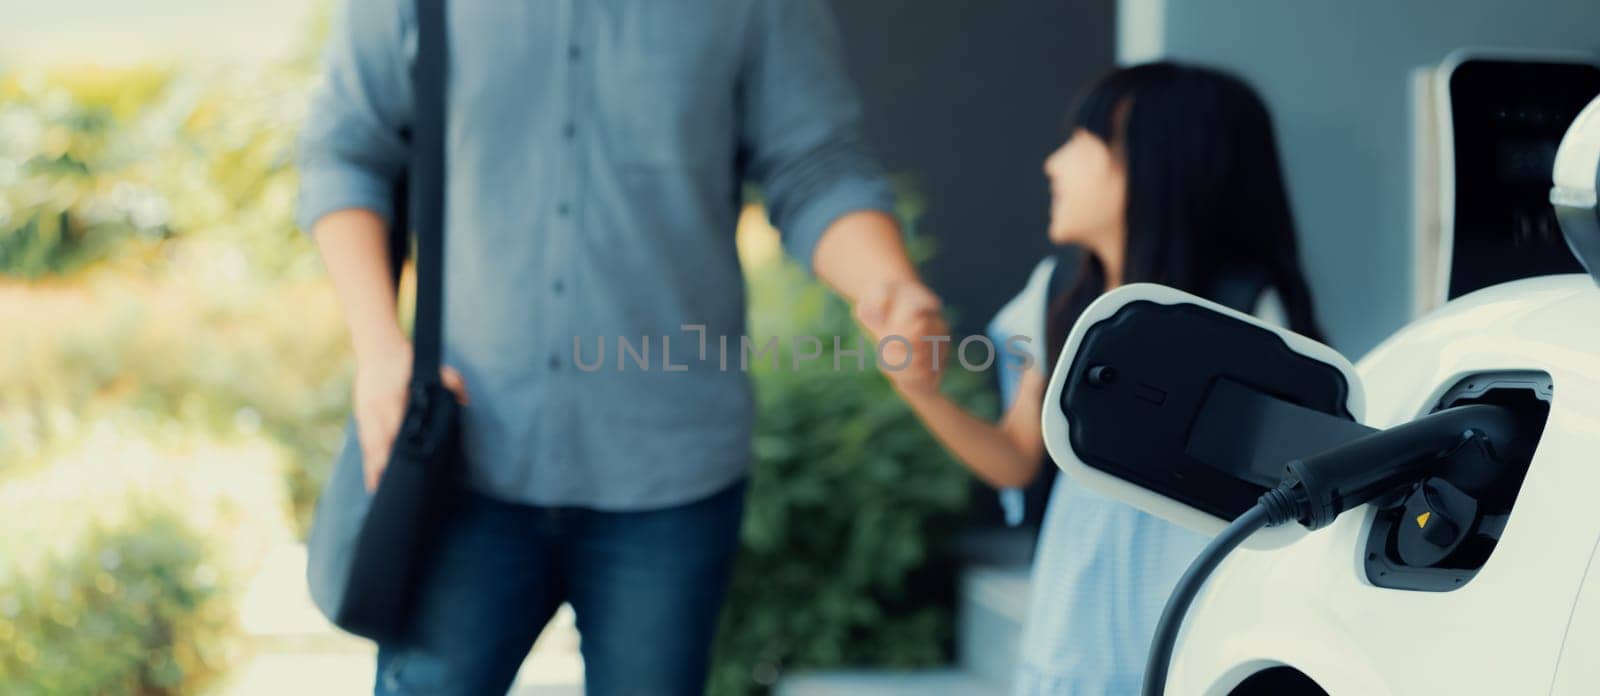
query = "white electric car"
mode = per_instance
[{"x": 1466, "y": 449}]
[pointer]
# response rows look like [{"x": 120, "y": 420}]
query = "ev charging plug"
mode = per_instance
[{"x": 1318, "y": 488}]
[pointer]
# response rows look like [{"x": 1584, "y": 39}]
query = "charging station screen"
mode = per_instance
[{"x": 1508, "y": 119}]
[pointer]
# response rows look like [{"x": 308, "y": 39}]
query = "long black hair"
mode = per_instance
[{"x": 1206, "y": 203}]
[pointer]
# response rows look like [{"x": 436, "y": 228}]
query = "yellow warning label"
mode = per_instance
[{"x": 1422, "y": 519}]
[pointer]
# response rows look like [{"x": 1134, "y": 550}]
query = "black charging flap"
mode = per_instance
[{"x": 1195, "y": 403}]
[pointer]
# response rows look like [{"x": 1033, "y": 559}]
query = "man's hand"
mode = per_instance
[
  {"x": 863, "y": 257},
  {"x": 380, "y": 404},
  {"x": 909, "y": 311}
]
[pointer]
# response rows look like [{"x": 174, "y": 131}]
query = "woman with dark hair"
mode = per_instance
[{"x": 1171, "y": 176}]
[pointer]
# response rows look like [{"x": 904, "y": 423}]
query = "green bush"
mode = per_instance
[
  {"x": 133, "y": 610},
  {"x": 849, "y": 505},
  {"x": 70, "y": 190},
  {"x": 150, "y": 212}
]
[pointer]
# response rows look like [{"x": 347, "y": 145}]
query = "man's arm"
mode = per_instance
[
  {"x": 861, "y": 251},
  {"x": 351, "y": 151},
  {"x": 354, "y": 246},
  {"x": 825, "y": 194},
  {"x": 350, "y": 154}
]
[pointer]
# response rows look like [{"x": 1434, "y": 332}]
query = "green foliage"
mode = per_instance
[
  {"x": 253, "y": 365},
  {"x": 132, "y": 610},
  {"x": 849, "y": 503},
  {"x": 161, "y": 203},
  {"x": 160, "y": 312},
  {"x": 108, "y": 165},
  {"x": 69, "y": 193}
]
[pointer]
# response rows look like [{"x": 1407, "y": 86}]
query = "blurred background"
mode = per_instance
[{"x": 174, "y": 374}]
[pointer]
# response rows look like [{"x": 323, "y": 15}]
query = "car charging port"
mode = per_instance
[{"x": 1436, "y": 535}]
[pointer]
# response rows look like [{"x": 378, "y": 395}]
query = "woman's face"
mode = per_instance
[{"x": 1088, "y": 192}]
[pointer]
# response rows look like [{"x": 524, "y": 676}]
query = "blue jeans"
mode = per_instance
[{"x": 645, "y": 587}]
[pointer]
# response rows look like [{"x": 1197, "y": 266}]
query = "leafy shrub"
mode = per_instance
[
  {"x": 849, "y": 502},
  {"x": 160, "y": 204},
  {"x": 68, "y": 192},
  {"x": 132, "y": 610},
  {"x": 263, "y": 364}
]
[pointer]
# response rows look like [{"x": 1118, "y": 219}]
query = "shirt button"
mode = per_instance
[
  {"x": 570, "y": 131},
  {"x": 557, "y": 286},
  {"x": 573, "y": 52},
  {"x": 555, "y": 363},
  {"x": 563, "y": 210}
]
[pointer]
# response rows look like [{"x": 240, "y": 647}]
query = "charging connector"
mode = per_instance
[
  {"x": 1317, "y": 489},
  {"x": 1326, "y": 484}
]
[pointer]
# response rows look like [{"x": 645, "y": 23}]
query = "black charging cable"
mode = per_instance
[
  {"x": 1254, "y": 519},
  {"x": 1316, "y": 489}
]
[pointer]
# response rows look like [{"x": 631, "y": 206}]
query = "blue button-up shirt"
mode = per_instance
[{"x": 596, "y": 155}]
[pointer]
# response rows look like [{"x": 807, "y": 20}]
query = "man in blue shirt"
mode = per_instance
[{"x": 596, "y": 154}]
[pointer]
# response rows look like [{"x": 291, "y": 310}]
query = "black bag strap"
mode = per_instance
[{"x": 426, "y": 187}]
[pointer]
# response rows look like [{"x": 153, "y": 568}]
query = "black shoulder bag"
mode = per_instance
[{"x": 367, "y": 553}]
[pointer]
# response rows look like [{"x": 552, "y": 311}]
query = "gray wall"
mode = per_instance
[
  {"x": 966, "y": 99},
  {"x": 1336, "y": 74}
]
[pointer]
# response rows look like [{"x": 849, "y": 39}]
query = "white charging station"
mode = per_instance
[
  {"x": 1482, "y": 582},
  {"x": 1484, "y": 125}
]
